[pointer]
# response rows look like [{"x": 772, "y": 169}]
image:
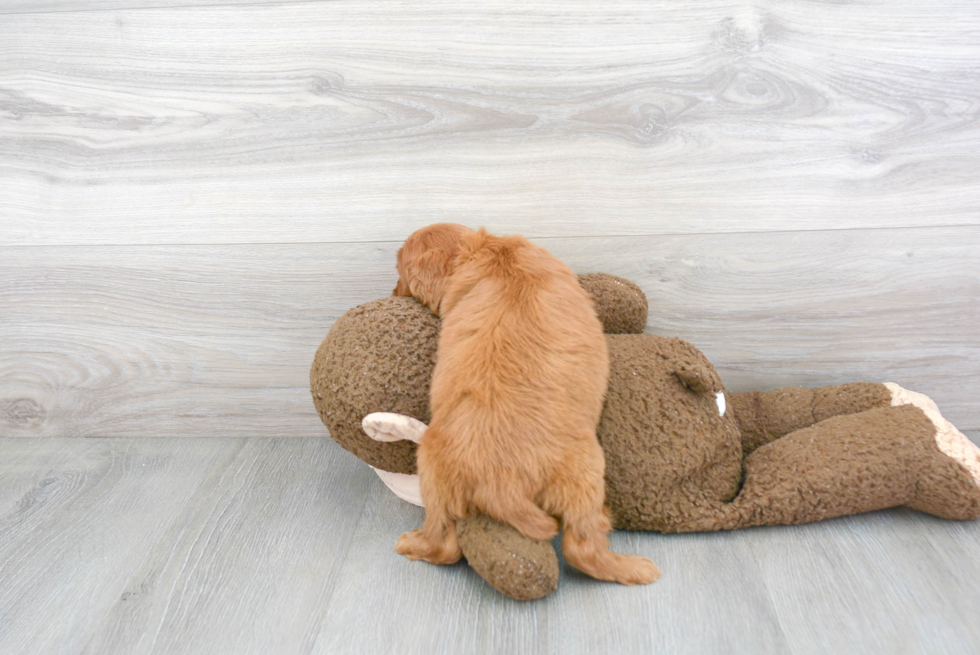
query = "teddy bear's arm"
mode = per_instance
[
  {"x": 514, "y": 565},
  {"x": 620, "y": 304},
  {"x": 385, "y": 426},
  {"x": 764, "y": 416}
]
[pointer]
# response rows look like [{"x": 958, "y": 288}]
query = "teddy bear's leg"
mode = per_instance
[
  {"x": 885, "y": 457},
  {"x": 764, "y": 416}
]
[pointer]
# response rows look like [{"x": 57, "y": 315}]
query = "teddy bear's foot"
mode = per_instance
[
  {"x": 947, "y": 478},
  {"x": 949, "y": 440},
  {"x": 416, "y": 545}
]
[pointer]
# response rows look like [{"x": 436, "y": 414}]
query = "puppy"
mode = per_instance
[{"x": 518, "y": 386}]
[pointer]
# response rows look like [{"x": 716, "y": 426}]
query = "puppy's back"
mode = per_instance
[{"x": 522, "y": 358}]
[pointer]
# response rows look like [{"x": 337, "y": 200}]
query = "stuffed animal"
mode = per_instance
[{"x": 682, "y": 454}]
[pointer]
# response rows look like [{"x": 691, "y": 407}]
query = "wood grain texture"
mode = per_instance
[
  {"x": 252, "y": 564},
  {"x": 354, "y": 121},
  {"x": 450, "y": 609},
  {"x": 77, "y": 518},
  {"x": 850, "y": 585},
  {"x": 46, "y": 6},
  {"x": 173, "y": 341},
  {"x": 218, "y": 340},
  {"x": 257, "y": 546}
]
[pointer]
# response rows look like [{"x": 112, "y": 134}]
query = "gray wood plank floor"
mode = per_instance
[{"x": 286, "y": 546}]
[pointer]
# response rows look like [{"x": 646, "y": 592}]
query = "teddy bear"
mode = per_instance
[{"x": 682, "y": 453}]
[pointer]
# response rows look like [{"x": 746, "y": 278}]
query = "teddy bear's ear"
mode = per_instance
[
  {"x": 620, "y": 304},
  {"x": 385, "y": 426}
]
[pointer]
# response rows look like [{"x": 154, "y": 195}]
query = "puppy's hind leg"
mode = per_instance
[
  {"x": 578, "y": 496},
  {"x": 436, "y": 542}
]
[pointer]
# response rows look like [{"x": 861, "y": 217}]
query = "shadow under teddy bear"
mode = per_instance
[{"x": 682, "y": 455}]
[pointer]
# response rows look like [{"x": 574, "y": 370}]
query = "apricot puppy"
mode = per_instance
[{"x": 518, "y": 386}]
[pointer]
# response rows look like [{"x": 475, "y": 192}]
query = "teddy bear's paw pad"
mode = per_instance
[
  {"x": 416, "y": 546},
  {"x": 385, "y": 426},
  {"x": 950, "y": 441}
]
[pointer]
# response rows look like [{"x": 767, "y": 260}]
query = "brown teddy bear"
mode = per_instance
[{"x": 682, "y": 454}]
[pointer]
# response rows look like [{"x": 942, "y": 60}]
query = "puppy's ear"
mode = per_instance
[{"x": 429, "y": 273}]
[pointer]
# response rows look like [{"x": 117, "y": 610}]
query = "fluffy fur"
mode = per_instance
[{"x": 516, "y": 394}]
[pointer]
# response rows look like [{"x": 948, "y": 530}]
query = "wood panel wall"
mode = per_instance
[{"x": 191, "y": 194}]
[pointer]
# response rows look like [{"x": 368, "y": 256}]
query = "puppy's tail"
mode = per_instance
[{"x": 521, "y": 513}]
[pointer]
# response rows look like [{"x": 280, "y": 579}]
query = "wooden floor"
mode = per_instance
[
  {"x": 286, "y": 546},
  {"x": 191, "y": 193}
]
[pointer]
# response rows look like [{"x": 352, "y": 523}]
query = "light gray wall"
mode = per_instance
[{"x": 191, "y": 195}]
